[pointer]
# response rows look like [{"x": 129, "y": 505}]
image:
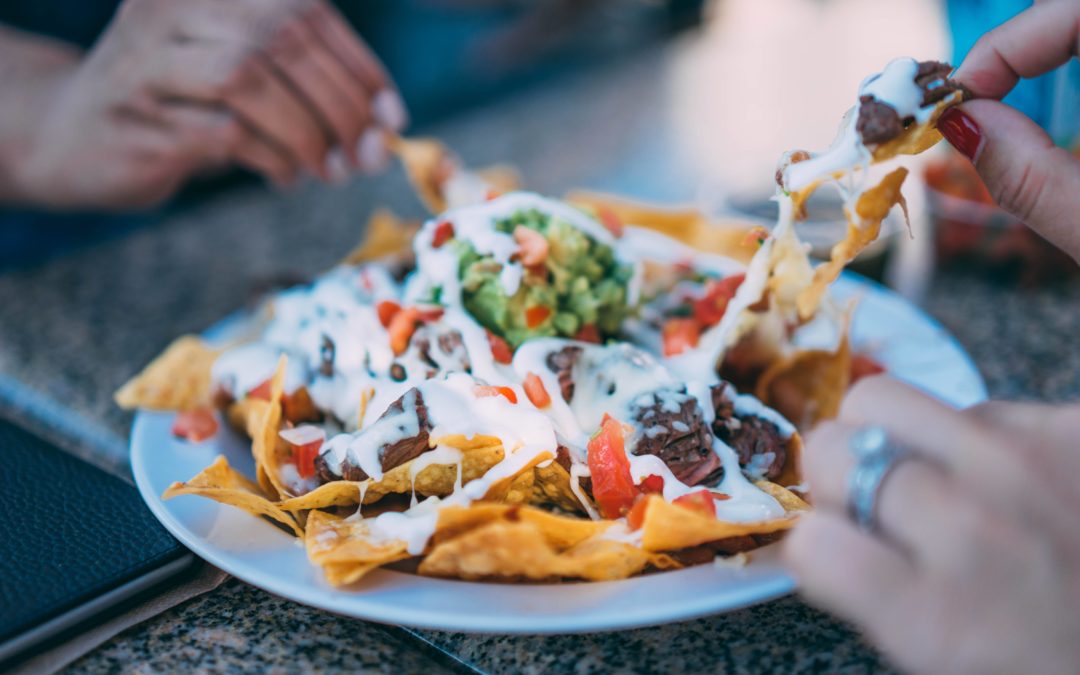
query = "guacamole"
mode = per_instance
[{"x": 579, "y": 290}]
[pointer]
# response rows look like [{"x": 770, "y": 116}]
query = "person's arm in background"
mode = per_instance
[
  {"x": 172, "y": 89},
  {"x": 975, "y": 566}
]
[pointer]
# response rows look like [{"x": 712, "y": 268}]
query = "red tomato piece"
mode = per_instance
[
  {"x": 484, "y": 390},
  {"x": 195, "y": 425},
  {"x": 401, "y": 329},
  {"x": 612, "y": 486},
  {"x": 610, "y": 221},
  {"x": 652, "y": 484},
  {"x": 534, "y": 316},
  {"x": 261, "y": 390},
  {"x": 386, "y": 310},
  {"x": 710, "y": 308},
  {"x": 535, "y": 390},
  {"x": 500, "y": 350},
  {"x": 304, "y": 456},
  {"x": 429, "y": 313},
  {"x": 864, "y": 366},
  {"x": 444, "y": 232},
  {"x": 700, "y": 501},
  {"x": 588, "y": 333},
  {"x": 636, "y": 517},
  {"x": 680, "y": 334}
]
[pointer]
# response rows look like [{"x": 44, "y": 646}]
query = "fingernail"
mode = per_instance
[
  {"x": 389, "y": 110},
  {"x": 337, "y": 167},
  {"x": 962, "y": 133},
  {"x": 372, "y": 152}
]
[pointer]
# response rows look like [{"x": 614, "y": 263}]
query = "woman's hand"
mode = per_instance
[
  {"x": 175, "y": 88},
  {"x": 1026, "y": 174},
  {"x": 977, "y": 564}
]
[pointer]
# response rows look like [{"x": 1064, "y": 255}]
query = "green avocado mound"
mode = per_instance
[{"x": 580, "y": 284}]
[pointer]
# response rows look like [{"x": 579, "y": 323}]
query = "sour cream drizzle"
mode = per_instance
[
  {"x": 614, "y": 380},
  {"x": 894, "y": 86}
]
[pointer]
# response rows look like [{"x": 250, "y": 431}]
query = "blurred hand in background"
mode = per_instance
[{"x": 173, "y": 89}]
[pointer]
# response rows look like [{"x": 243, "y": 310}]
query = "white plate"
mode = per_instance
[{"x": 912, "y": 345}]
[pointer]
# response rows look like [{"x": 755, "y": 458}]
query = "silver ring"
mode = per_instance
[{"x": 875, "y": 458}]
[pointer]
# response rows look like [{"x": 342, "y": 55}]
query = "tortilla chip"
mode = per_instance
[
  {"x": 385, "y": 235},
  {"x": 516, "y": 551},
  {"x": 561, "y": 532},
  {"x": 225, "y": 485},
  {"x": 807, "y": 386},
  {"x": 502, "y": 178},
  {"x": 918, "y": 137},
  {"x": 266, "y": 449},
  {"x": 670, "y": 527},
  {"x": 688, "y": 225},
  {"x": 863, "y": 228},
  {"x": 427, "y": 163},
  {"x": 178, "y": 379},
  {"x": 344, "y": 548}
]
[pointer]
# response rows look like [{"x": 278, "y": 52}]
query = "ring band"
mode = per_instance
[{"x": 875, "y": 458}]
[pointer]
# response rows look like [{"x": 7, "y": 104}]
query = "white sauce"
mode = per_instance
[{"x": 894, "y": 86}]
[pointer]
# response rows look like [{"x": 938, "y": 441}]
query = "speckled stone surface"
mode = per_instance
[{"x": 73, "y": 330}]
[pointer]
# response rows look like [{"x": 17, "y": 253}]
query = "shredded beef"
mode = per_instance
[
  {"x": 424, "y": 340},
  {"x": 748, "y": 435},
  {"x": 562, "y": 364},
  {"x": 879, "y": 122},
  {"x": 390, "y": 456},
  {"x": 680, "y": 438}
]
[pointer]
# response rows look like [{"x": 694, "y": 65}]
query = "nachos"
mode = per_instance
[{"x": 533, "y": 388}]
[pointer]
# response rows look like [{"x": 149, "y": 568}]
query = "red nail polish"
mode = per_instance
[{"x": 962, "y": 132}]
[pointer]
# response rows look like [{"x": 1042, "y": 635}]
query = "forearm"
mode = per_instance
[{"x": 31, "y": 71}]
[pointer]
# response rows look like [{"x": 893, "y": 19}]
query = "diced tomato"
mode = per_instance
[
  {"x": 710, "y": 308},
  {"x": 532, "y": 246},
  {"x": 610, "y": 221},
  {"x": 429, "y": 313},
  {"x": 306, "y": 441},
  {"x": 401, "y": 329},
  {"x": 588, "y": 333},
  {"x": 195, "y": 425},
  {"x": 304, "y": 456},
  {"x": 492, "y": 194},
  {"x": 700, "y": 501},
  {"x": 864, "y": 366},
  {"x": 386, "y": 310},
  {"x": 500, "y": 350},
  {"x": 636, "y": 517},
  {"x": 261, "y": 390},
  {"x": 444, "y": 232},
  {"x": 536, "y": 315},
  {"x": 484, "y": 390},
  {"x": 612, "y": 486},
  {"x": 535, "y": 390},
  {"x": 680, "y": 334},
  {"x": 652, "y": 484}
]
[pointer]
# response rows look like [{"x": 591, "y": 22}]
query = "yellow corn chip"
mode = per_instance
[
  {"x": 670, "y": 527},
  {"x": 807, "y": 386},
  {"x": 178, "y": 379},
  {"x": 225, "y": 485},
  {"x": 385, "y": 235},
  {"x": 265, "y": 446},
  {"x": 863, "y": 228}
]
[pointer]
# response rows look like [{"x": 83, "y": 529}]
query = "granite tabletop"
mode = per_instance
[{"x": 74, "y": 329}]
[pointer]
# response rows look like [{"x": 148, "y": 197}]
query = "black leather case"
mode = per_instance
[{"x": 69, "y": 532}]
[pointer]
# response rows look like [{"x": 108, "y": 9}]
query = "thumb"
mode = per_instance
[{"x": 1025, "y": 172}]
